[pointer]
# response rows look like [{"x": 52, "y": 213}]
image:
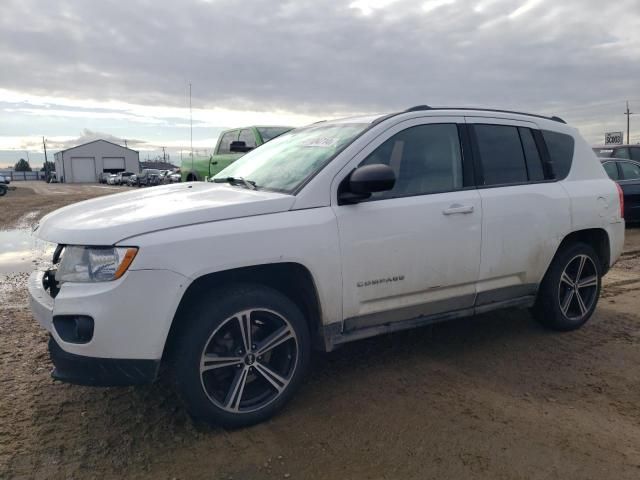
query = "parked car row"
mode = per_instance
[
  {"x": 5, "y": 179},
  {"x": 148, "y": 177}
]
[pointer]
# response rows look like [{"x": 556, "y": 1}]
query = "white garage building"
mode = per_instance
[{"x": 83, "y": 164}]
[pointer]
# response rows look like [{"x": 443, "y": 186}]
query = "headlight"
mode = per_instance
[{"x": 94, "y": 264}]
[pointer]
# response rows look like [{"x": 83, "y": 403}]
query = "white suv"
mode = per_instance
[{"x": 330, "y": 233}]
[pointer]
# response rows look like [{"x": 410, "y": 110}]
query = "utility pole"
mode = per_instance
[
  {"x": 164, "y": 155},
  {"x": 46, "y": 162},
  {"x": 628, "y": 114},
  {"x": 125, "y": 143},
  {"x": 191, "y": 124}
]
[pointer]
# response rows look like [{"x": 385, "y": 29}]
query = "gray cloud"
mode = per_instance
[
  {"x": 89, "y": 136},
  {"x": 321, "y": 57}
]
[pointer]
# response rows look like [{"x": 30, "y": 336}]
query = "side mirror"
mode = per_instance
[
  {"x": 366, "y": 180},
  {"x": 239, "y": 147}
]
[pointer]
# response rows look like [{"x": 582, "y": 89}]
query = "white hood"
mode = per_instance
[{"x": 110, "y": 219}]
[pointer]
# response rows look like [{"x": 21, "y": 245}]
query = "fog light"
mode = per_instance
[{"x": 74, "y": 328}]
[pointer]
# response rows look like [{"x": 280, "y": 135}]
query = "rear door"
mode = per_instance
[
  {"x": 630, "y": 183},
  {"x": 525, "y": 214}
]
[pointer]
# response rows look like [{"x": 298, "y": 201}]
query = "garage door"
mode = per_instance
[
  {"x": 83, "y": 169},
  {"x": 113, "y": 163}
]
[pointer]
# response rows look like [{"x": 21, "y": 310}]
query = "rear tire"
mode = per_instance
[
  {"x": 570, "y": 289},
  {"x": 242, "y": 355}
]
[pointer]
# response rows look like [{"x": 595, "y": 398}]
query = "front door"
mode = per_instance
[{"x": 413, "y": 251}]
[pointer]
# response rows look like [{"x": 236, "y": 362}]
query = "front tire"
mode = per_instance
[
  {"x": 569, "y": 292},
  {"x": 242, "y": 355}
]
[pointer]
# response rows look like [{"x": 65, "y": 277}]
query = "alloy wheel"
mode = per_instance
[
  {"x": 578, "y": 287},
  {"x": 249, "y": 360}
]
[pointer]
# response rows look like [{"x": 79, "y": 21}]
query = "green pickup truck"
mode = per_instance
[{"x": 232, "y": 144}]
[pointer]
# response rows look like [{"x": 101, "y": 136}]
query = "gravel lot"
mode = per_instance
[{"x": 494, "y": 396}]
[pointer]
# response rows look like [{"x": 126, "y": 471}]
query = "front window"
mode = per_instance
[
  {"x": 426, "y": 159},
  {"x": 286, "y": 162}
]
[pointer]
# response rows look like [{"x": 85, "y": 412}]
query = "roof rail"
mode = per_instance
[
  {"x": 418, "y": 108},
  {"x": 557, "y": 119}
]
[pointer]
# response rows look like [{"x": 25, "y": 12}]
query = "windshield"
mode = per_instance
[
  {"x": 268, "y": 133},
  {"x": 286, "y": 162}
]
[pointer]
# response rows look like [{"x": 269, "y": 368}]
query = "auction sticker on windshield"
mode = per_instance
[{"x": 321, "y": 142}]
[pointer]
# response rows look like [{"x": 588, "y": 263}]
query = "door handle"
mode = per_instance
[{"x": 457, "y": 208}]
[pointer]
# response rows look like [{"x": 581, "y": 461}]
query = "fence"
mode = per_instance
[{"x": 22, "y": 176}]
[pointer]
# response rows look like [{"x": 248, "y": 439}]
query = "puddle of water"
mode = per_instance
[{"x": 22, "y": 252}]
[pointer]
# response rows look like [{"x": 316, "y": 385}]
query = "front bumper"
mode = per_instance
[
  {"x": 100, "y": 372},
  {"x": 132, "y": 317}
]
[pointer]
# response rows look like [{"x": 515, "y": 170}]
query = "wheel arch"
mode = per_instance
[
  {"x": 291, "y": 279},
  {"x": 597, "y": 238},
  {"x": 192, "y": 176}
]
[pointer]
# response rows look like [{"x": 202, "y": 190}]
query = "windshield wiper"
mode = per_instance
[{"x": 251, "y": 185}]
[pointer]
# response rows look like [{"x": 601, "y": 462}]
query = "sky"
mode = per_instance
[{"x": 73, "y": 71}]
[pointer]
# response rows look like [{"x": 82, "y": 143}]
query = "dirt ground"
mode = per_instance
[
  {"x": 26, "y": 197},
  {"x": 494, "y": 396}
]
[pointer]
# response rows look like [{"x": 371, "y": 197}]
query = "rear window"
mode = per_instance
[
  {"x": 225, "y": 142},
  {"x": 621, "y": 153},
  {"x": 611, "y": 169},
  {"x": 630, "y": 171},
  {"x": 531, "y": 155},
  {"x": 560, "y": 148},
  {"x": 603, "y": 152},
  {"x": 501, "y": 154}
]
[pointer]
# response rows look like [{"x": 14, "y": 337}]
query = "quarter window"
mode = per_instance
[
  {"x": 635, "y": 153},
  {"x": 560, "y": 148},
  {"x": 630, "y": 171},
  {"x": 612, "y": 170},
  {"x": 225, "y": 142},
  {"x": 501, "y": 154},
  {"x": 426, "y": 159}
]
